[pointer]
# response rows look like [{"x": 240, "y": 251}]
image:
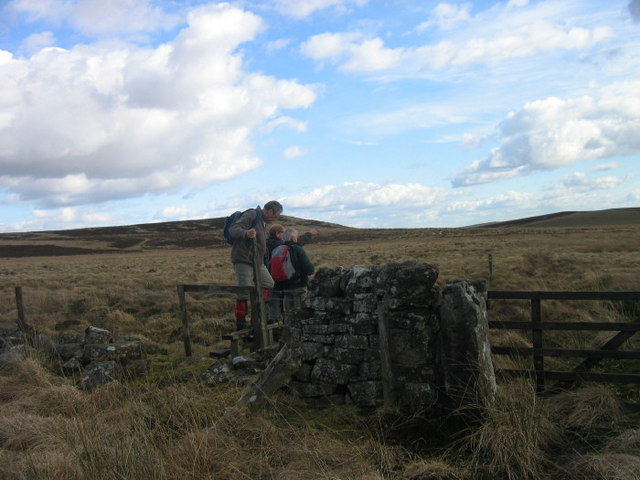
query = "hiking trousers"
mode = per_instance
[{"x": 244, "y": 277}]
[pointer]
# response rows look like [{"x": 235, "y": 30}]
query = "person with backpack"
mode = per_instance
[
  {"x": 243, "y": 230},
  {"x": 290, "y": 268},
  {"x": 275, "y": 239}
]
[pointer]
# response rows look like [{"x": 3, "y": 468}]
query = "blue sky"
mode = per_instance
[{"x": 367, "y": 113}]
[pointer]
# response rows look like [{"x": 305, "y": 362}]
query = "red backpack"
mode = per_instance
[{"x": 281, "y": 266}]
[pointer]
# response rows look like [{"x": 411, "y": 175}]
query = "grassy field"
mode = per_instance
[{"x": 169, "y": 425}]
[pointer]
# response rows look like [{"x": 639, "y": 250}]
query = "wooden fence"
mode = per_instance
[
  {"x": 537, "y": 327},
  {"x": 261, "y": 332}
]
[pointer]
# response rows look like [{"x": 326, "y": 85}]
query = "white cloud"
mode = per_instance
[
  {"x": 175, "y": 212},
  {"x": 605, "y": 166},
  {"x": 287, "y": 122},
  {"x": 550, "y": 133},
  {"x": 509, "y": 200},
  {"x": 120, "y": 123},
  {"x": 53, "y": 10},
  {"x": 294, "y": 152},
  {"x": 576, "y": 192},
  {"x": 495, "y": 36},
  {"x": 36, "y": 42},
  {"x": 414, "y": 116},
  {"x": 354, "y": 53},
  {"x": 67, "y": 217},
  {"x": 366, "y": 205},
  {"x": 99, "y": 17},
  {"x": 277, "y": 45},
  {"x": 362, "y": 143},
  {"x": 357, "y": 195},
  {"x": 525, "y": 41},
  {"x": 581, "y": 182},
  {"x": 445, "y": 16},
  {"x": 302, "y": 9}
]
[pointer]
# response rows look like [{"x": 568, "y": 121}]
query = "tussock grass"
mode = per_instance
[
  {"x": 589, "y": 411},
  {"x": 605, "y": 466},
  {"x": 177, "y": 431},
  {"x": 433, "y": 470},
  {"x": 626, "y": 442},
  {"x": 516, "y": 436}
]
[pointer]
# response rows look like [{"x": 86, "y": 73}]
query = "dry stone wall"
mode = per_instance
[{"x": 375, "y": 336}]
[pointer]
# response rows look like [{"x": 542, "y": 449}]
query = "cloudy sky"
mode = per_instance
[{"x": 368, "y": 113}]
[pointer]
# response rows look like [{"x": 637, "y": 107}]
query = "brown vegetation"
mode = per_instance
[{"x": 170, "y": 425}]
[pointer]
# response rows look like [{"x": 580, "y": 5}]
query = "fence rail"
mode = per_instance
[
  {"x": 538, "y": 352},
  {"x": 262, "y": 334}
]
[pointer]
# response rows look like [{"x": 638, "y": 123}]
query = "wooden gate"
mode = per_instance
[{"x": 537, "y": 327}]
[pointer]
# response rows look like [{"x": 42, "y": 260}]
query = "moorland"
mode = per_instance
[{"x": 167, "y": 424}]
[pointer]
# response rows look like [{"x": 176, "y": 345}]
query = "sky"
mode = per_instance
[{"x": 366, "y": 113}]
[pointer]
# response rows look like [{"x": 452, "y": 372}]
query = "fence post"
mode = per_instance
[
  {"x": 490, "y": 267},
  {"x": 259, "y": 324},
  {"x": 22, "y": 323},
  {"x": 185, "y": 321},
  {"x": 538, "y": 357}
]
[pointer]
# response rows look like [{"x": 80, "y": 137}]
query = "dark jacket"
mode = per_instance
[
  {"x": 242, "y": 248},
  {"x": 273, "y": 242},
  {"x": 303, "y": 267}
]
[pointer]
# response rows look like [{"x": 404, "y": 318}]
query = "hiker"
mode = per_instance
[
  {"x": 275, "y": 238},
  {"x": 276, "y": 232},
  {"x": 292, "y": 291},
  {"x": 246, "y": 230}
]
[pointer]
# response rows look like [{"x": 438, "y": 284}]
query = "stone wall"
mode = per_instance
[{"x": 388, "y": 335}]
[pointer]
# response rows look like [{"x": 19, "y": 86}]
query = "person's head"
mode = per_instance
[
  {"x": 290, "y": 235},
  {"x": 276, "y": 231},
  {"x": 271, "y": 211}
]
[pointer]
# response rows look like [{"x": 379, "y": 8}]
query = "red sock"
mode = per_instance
[{"x": 240, "y": 310}]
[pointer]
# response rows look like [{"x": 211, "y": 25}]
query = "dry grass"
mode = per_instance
[
  {"x": 588, "y": 412},
  {"x": 605, "y": 467},
  {"x": 433, "y": 470},
  {"x": 168, "y": 425},
  {"x": 516, "y": 436},
  {"x": 178, "y": 431}
]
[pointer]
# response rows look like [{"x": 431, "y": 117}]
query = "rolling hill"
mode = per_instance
[
  {"x": 207, "y": 233},
  {"x": 614, "y": 216}
]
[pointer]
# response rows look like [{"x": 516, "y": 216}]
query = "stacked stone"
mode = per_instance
[
  {"x": 340, "y": 338},
  {"x": 99, "y": 357}
]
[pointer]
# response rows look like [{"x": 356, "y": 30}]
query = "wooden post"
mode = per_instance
[
  {"x": 22, "y": 324},
  {"x": 279, "y": 371},
  {"x": 185, "y": 321},
  {"x": 490, "y": 267},
  {"x": 259, "y": 324},
  {"x": 538, "y": 357},
  {"x": 385, "y": 359}
]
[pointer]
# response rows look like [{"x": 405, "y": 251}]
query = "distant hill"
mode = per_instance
[
  {"x": 207, "y": 233},
  {"x": 164, "y": 235},
  {"x": 614, "y": 216}
]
